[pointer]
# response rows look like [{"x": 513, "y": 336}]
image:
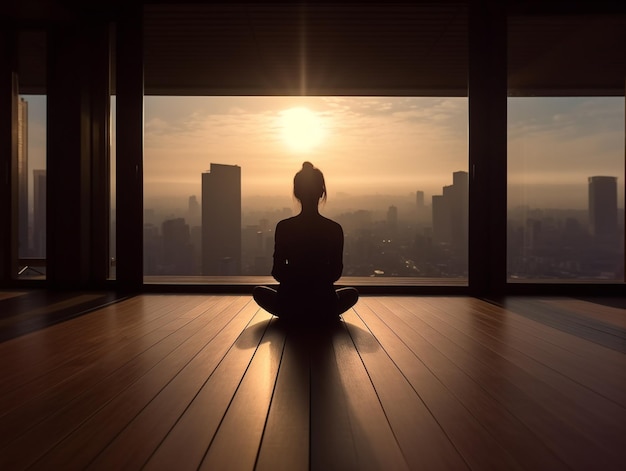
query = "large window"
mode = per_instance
[
  {"x": 247, "y": 93},
  {"x": 31, "y": 146},
  {"x": 396, "y": 171},
  {"x": 566, "y": 188},
  {"x": 32, "y": 177},
  {"x": 566, "y": 149}
]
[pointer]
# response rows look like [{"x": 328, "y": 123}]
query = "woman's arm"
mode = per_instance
[
  {"x": 336, "y": 255},
  {"x": 280, "y": 258}
]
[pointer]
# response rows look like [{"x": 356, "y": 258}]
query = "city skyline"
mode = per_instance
[{"x": 407, "y": 238}]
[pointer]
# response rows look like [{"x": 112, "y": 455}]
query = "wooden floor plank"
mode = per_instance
[
  {"x": 285, "y": 444},
  {"x": 533, "y": 403},
  {"x": 417, "y": 359},
  {"x": 575, "y": 349},
  {"x": 423, "y": 441},
  {"x": 594, "y": 366},
  {"x": 117, "y": 442},
  {"x": 567, "y": 391},
  {"x": 67, "y": 415},
  {"x": 65, "y": 341},
  {"x": 60, "y": 305},
  {"x": 38, "y": 309},
  {"x": 559, "y": 422},
  {"x": 607, "y": 314},
  {"x": 189, "y": 439},
  {"x": 81, "y": 355},
  {"x": 332, "y": 442},
  {"x": 152, "y": 424},
  {"x": 36, "y": 403},
  {"x": 558, "y": 316},
  {"x": 237, "y": 440},
  {"x": 162, "y": 381},
  {"x": 375, "y": 443},
  {"x": 10, "y": 294}
]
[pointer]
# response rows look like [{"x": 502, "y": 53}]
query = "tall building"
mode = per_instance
[
  {"x": 419, "y": 199},
  {"x": 603, "y": 208},
  {"x": 39, "y": 213},
  {"x": 420, "y": 208},
  {"x": 459, "y": 211},
  {"x": 441, "y": 219},
  {"x": 22, "y": 176},
  {"x": 177, "y": 248},
  {"x": 193, "y": 211},
  {"x": 450, "y": 214},
  {"x": 221, "y": 220}
]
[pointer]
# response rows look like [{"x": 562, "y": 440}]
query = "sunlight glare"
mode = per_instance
[{"x": 301, "y": 128}]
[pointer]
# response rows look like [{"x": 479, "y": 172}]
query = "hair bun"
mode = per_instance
[{"x": 307, "y": 166}]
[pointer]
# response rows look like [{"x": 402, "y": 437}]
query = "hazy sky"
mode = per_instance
[
  {"x": 364, "y": 145},
  {"x": 368, "y": 145}
]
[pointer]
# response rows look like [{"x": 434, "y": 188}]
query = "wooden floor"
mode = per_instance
[{"x": 213, "y": 382}]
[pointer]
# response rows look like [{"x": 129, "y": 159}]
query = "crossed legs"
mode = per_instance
[{"x": 269, "y": 299}]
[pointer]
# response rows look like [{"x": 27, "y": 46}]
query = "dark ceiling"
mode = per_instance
[{"x": 416, "y": 48}]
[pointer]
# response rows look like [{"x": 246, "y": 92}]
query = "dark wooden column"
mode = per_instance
[
  {"x": 100, "y": 95},
  {"x": 487, "y": 91},
  {"x": 77, "y": 154},
  {"x": 68, "y": 174},
  {"x": 8, "y": 156},
  {"x": 129, "y": 147}
]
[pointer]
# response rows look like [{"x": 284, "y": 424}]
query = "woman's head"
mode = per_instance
[{"x": 309, "y": 185}]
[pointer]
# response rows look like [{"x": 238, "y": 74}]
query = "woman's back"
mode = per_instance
[{"x": 308, "y": 250}]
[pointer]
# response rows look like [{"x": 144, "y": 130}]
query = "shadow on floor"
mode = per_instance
[{"x": 27, "y": 311}]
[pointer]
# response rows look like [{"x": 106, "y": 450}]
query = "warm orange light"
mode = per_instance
[{"x": 302, "y": 129}]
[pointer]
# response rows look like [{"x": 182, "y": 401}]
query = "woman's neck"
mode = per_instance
[{"x": 309, "y": 209}]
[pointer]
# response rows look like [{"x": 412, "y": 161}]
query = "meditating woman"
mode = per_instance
[{"x": 308, "y": 259}]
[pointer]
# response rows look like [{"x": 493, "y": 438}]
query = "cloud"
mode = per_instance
[{"x": 370, "y": 141}]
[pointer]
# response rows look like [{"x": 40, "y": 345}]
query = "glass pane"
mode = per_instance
[
  {"x": 32, "y": 185},
  {"x": 395, "y": 169},
  {"x": 112, "y": 218},
  {"x": 566, "y": 149}
]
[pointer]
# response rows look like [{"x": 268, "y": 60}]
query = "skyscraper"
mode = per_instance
[
  {"x": 441, "y": 219},
  {"x": 193, "y": 211},
  {"x": 459, "y": 209},
  {"x": 420, "y": 208},
  {"x": 221, "y": 220},
  {"x": 419, "y": 199},
  {"x": 39, "y": 213},
  {"x": 450, "y": 214},
  {"x": 603, "y": 208}
]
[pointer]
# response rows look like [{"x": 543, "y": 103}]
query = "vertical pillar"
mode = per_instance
[
  {"x": 8, "y": 156},
  {"x": 487, "y": 92},
  {"x": 100, "y": 85},
  {"x": 68, "y": 208},
  {"x": 129, "y": 147},
  {"x": 77, "y": 154}
]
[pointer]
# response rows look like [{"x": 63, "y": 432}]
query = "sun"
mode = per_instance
[{"x": 302, "y": 129}]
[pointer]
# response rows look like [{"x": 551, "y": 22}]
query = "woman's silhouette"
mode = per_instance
[{"x": 308, "y": 258}]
